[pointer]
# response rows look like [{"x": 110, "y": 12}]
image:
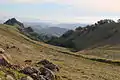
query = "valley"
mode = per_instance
[
  {"x": 71, "y": 67},
  {"x": 59, "y": 40}
]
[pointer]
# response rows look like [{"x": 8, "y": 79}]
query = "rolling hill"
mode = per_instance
[
  {"x": 72, "y": 66},
  {"x": 102, "y": 33}
]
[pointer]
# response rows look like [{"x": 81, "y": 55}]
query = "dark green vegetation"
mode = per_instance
[{"x": 104, "y": 32}]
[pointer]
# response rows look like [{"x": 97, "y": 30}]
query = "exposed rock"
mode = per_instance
[
  {"x": 44, "y": 73},
  {"x": 15, "y": 67},
  {"x": 12, "y": 47},
  {"x": 9, "y": 77},
  {"x": 3, "y": 61},
  {"x": 33, "y": 72},
  {"x": 14, "y": 22},
  {"x": 44, "y": 62},
  {"x": 28, "y": 62},
  {"x": 26, "y": 78},
  {"x": 29, "y": 70},
  {"x": 48, "y": 74},
  {"x": 52, "y": 67},
  {"x": 28, "y": 30},
  {"x": 42, "y": 77},
  {"x": 38, "y": 76},
  {"x": 2, "y": 51},
  {"x": 49, "y": 65}
]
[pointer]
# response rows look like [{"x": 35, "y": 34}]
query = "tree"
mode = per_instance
[
  {"x": 118, "y": 20},
  {"x": 68, "y": 33},
  {"x": 105, "y": 21},
  {"x": 79, "y": 28}
]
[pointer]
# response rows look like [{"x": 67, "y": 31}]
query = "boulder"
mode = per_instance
[
  {"x": 41, "y": 77},
  {"x": 52, "y": 67},
  {"x": 9, "y": 77},
  {"x": 26, "y": 78},
  {"x": 37, "y": 77},
  {"x": 44, "y": 62},
  {"x": 2, "y": 51},
  {"x": 32, "y": 72},
  {"x": 3, "y": 60},
  {"x": 47, "y": 74},
  {"x": 28, "y": 62},
  {"x": 15, "y": 67},
  {"x": 49, "y": 65},
  {"x": 29, "y": 70},
  {"x": 44, "y": 73}
]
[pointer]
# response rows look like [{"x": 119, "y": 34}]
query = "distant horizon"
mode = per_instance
[
  {"x": 28, "y": 20},
  {"x": 60, "y": 11}
]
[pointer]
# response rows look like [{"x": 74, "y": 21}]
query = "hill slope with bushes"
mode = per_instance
[{"x": 104, "y": 32}]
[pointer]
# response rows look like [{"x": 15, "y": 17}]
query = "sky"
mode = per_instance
[{"x": 60, "y": 11}]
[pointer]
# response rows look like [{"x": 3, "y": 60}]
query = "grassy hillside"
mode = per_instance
[
  {"x": 71, "y": 67},
  {"x": 96, "y": 35}
]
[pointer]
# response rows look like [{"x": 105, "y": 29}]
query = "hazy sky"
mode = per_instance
[{"x": 80, "y": 11}]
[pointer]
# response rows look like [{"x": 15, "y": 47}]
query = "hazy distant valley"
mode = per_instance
[{"x": 52, "y": 29}]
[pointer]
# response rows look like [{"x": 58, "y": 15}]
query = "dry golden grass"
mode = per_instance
[{"x": 72, "y": 67}]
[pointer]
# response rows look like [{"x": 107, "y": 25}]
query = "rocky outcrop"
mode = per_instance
[
  {"x": 9, "y": 77},
  {"x": 19, "y": 25},
  {"x": 2, "y": 51},
  {"x": 26, "y": 78},
  {"x": 47, "y": 72},
  {"x": 14, "y": 22},
  {"x": 28, "y": 30},
  {"x": 3, "y": 59},
  {"x": 49, "y": 65},
  {"x": 30, "y": 71},
  {"x": 33, "y": 72}
]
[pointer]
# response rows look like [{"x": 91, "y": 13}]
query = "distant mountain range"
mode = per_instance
[
  {"x": 52, "y": 29},
  {"x": 61, "y": 25},
  {"x": 70, "y": 25}
]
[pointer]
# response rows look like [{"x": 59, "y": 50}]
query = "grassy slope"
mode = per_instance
[
  {"x": 102, "y": 35},
  {"x": 72, "y": 67}
]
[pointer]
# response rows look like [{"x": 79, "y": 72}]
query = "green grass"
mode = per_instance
[{"x": 3, "y": 71}]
